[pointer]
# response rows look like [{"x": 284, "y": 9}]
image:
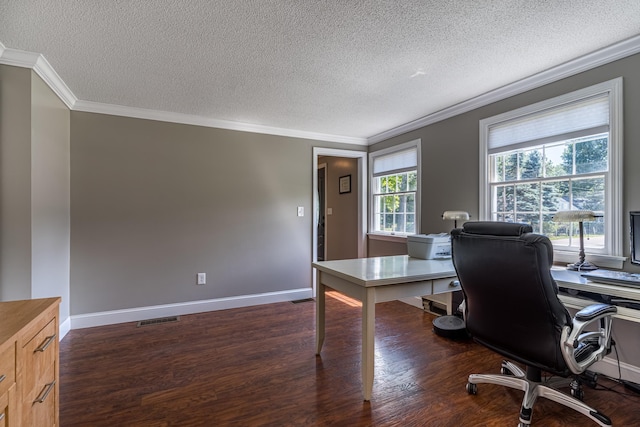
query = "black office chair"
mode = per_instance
[{"x": 511, "y": 306}]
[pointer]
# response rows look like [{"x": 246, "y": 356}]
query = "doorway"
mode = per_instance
[
  {"x": 322, "y": 202},
  {"x": 361, "y": 191}
]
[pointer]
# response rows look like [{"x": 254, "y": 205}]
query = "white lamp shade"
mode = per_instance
[
  {"x": 455, "y": 215},
  {"x": 574, "y": 216}
]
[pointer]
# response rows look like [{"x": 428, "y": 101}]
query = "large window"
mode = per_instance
[
  {"x": 560, "y": 154},
  {"x": 395, "y": 178}
]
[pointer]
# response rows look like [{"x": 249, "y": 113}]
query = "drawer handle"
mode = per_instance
[
  {"x": 44, "y": 393},
  {"x": 2, "y": 377},
  {"x": 454, "y": 284},
  {"x": 45, "y": 344}
]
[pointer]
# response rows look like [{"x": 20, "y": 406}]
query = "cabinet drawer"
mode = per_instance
[
  {"x": 4, "y": 409},
  {"x": 39, "y": 403},
  {"x": 39, "y": 354},
  {"x": 446, "y": 285},
  {"x": 7, "y": 368}
]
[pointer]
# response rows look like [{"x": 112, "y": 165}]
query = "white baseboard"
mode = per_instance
[
  {"x": 414, "y": 301},
  {"x": 64, "y": 327},
  {"x": 609, "y": 367},
  {"x": 89, "y": 320}
]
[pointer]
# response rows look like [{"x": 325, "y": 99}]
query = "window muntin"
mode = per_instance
[
  {"x": 395, "y": 181},
  {"x": 530, "y": 185},
  {"x": 596, "y": 179},
  {"x": 394, "y": 200}
]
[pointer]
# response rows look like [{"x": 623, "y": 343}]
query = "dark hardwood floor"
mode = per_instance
[{"x": 256, "y": 366}]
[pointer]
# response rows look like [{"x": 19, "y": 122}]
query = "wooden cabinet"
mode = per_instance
[{"x": 29, "y": 368}]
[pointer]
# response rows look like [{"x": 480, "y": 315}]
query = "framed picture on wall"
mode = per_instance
[{"x": 345, "y": 184}]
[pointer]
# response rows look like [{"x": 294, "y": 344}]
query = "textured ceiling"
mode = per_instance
[{"x": 338, "y": 67}]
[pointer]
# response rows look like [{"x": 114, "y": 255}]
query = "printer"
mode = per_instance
[{"x": 429, "y": 246}]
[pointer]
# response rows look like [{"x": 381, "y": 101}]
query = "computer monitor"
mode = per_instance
[{"x": 634, "y": 242}]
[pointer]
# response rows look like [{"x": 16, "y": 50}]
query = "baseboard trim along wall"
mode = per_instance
[
  {"x": 89, "y": 320},
  {"x": 65, "y": 327},
  {"x": 609, "y": 367}
]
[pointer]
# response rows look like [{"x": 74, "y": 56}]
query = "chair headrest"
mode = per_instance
[{"x": 494, "y": 228}]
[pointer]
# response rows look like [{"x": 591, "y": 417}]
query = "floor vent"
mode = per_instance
[
  {"x": 298, "y": 301},
  {"x": 158, "y": 321}
]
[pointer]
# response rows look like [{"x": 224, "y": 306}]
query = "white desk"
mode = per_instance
[
  {"x": 380, "y": 279},
  {"x": 373, "y": 280},
  {"x": 573, "y": 280}
]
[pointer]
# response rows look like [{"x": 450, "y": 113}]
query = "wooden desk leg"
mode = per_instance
[
  {"x": 368, "y": 341},
  {"x": 320, "y": 305}
]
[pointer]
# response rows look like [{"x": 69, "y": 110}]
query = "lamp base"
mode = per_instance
[{"x": 582, "y": 266}]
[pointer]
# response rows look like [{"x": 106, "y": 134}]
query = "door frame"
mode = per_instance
[
  {"x": 322, "y": 166},
  {"x": 362, "y": 157}
]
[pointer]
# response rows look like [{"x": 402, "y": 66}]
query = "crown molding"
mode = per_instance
[
  {"x": 39, "y": 64},
  {"x": 592, "y": 60},
  {"x": 189, "y": 119}
]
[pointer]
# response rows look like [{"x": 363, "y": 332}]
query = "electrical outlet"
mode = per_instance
[
  {"x": 300, "y": 210},
  {"x": 202, "y": 278}
]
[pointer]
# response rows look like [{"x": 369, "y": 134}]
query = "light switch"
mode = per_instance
[
  {"x": 300, "y": 210},
  {"x": 329, "y": 211}
]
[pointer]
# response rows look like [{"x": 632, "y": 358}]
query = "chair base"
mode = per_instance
[{"x": 514, "y": 377}]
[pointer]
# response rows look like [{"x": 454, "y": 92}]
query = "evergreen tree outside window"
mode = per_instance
[{"x": 561, "y": 154}]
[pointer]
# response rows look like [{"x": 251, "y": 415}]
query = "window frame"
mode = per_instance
[
  {"x": 613, "y": 258},
  {"x": 386, "y": 235}
]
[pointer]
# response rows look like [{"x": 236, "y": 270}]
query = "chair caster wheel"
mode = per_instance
[
  {"x": 472, "y": 388},
  {"x": 578, "y": 394}
]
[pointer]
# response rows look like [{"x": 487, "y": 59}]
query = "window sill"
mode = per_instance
[
  {"x": 605, "y": 261},
  {"x": 398, "y": 238}
]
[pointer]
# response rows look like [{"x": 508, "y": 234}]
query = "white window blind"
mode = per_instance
[
  {"x": 399, "y": 161},
  {"x": 572, "y": 120}
]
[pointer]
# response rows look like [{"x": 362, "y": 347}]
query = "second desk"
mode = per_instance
[{"x": 374, "y": 280}]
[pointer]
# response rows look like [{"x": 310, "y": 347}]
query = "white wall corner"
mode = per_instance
[
  {"x": 39, "y": 64},
  {"x": 64, "y": 328},
  {"x": 53, "y": 80}
]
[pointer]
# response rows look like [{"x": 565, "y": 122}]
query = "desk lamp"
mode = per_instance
[
  {"x": 579, "y": 217},
  {"x": 455, "y": 216},
  {"x": 452, "y": 325}
]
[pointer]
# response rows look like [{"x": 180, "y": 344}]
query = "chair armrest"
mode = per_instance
[
  {"x": 594, "y": 311},
  {"x": 576, "y": 334}
]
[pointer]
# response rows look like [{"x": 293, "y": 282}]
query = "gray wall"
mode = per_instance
[
  {"x": 34, "y": 193},
  {"x": 450, "y": 159},
  {"x": 15, "y": 182},
  {"x": 154, "y": 203},
  {"x": 378, "y": 247}
]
